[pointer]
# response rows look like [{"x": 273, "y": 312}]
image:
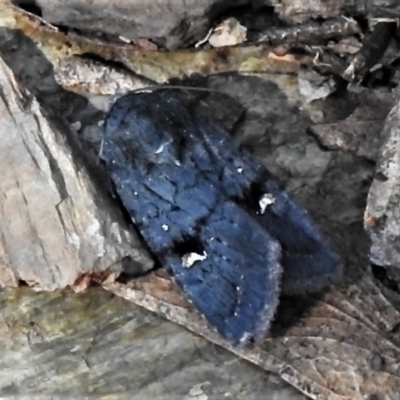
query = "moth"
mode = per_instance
[{"x": 217, "y": 220}]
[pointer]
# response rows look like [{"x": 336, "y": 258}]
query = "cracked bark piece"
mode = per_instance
[
  {"x": 382, "y": 214},
  {"x": 85, "y": 76},
  {"x": 159, "y": 66},
  {"x": 56, "y": 225},
  {"x": 229, "y": 33},
  {"x": 299, "y": 11},
  {"x": 374, "y": 46},
  {"x": 313, "y": 86},
  {"x": 310, "y": 32},
  {"x": 182, "y": 22},
  {"x": 106, "y": 347}
]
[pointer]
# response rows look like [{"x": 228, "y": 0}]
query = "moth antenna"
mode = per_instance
[
  {"x": 100, "y": 151},
  {"x": 150, "y": 89}
]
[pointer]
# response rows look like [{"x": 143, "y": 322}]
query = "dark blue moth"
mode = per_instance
[{"x": 212, "y": 215}]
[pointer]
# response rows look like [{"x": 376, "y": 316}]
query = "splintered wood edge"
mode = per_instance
[{"x": 168, "y": 303}]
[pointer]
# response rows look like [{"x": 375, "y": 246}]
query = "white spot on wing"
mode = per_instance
[
  {"x": 165, "y": 227},
  {"x": 160, "y": 149},
  {"x": 189, "y": 259},
  {"x": 266, "y": 200}
]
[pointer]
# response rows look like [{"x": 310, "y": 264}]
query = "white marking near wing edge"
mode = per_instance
[
  {"x": 189, "y": 259},
  {"x": 266, "y": 200}
]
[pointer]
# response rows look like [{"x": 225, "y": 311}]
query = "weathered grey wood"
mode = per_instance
[
  {"x": 298, "y": 11},
  {"x": 183, "y": 22},
  {"x": 56, "y": 224},
  {"x": 94, "y": 345},
  {"x": 382, "y": 214}
]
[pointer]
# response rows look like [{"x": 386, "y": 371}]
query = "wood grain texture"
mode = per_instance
[
  {"x": 56, "y": 224},
  {"x": 96, "y": 345},
  {"x": 383, "y": 211}
]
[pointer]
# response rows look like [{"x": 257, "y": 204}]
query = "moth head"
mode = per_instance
[
  {"x": 155, "y": 148},
  {"x": 140, "y": 139},
  {"x": 147, "y": 128},
  {"x": 167, "y": 152}
]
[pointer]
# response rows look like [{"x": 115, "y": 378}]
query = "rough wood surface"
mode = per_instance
[
  {"x": 187, "y": 22},
  {"x": 382, "y": 214},
  {"x": 56, "y": 224},
  {"x": 94, "y": 345},
  {"x": 159, "y": 66},
  {"x": 297, "y": 11},
  {"x": 183, "y": 22}
]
